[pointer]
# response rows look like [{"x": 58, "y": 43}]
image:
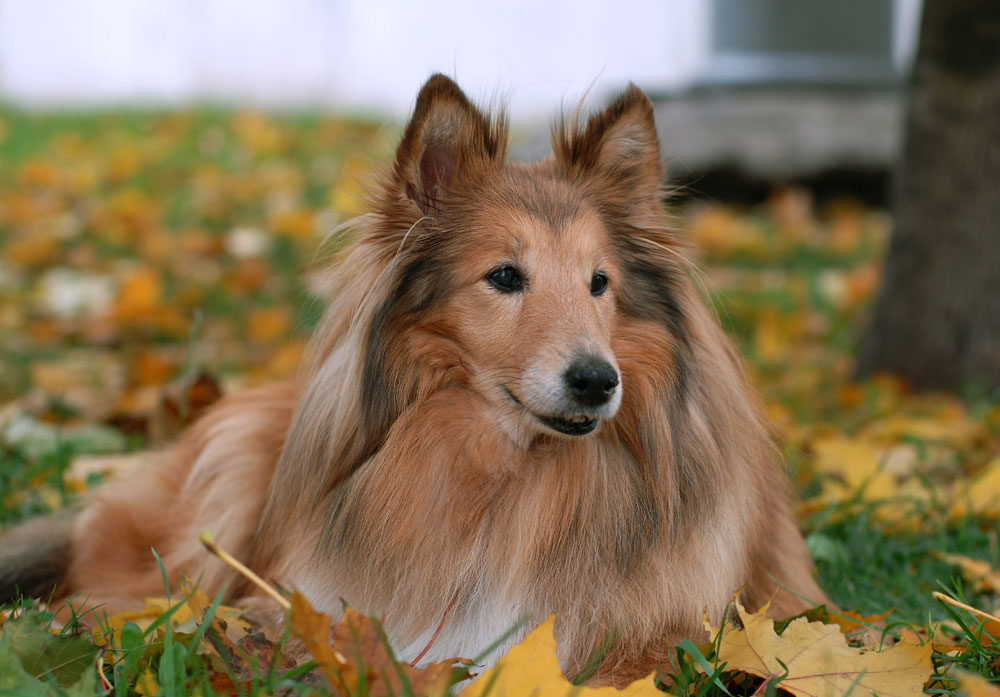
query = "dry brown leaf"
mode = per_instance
[
  {"x": 852, "y": 621},
  {"x": 353, "y": 652},
  {"x": 242, "y": 650},
  {"x": 813, "y": 659},
  {"x": 313, "y": 628}
]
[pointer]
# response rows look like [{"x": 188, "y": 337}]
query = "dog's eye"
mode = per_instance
[
  {"x": 598, "y": 283},
  {"x": 506, "y": 279}
]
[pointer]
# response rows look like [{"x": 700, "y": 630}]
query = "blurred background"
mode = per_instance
[
  {"x": 171, "y": 172},
  {"x": 762, "y": 88}
]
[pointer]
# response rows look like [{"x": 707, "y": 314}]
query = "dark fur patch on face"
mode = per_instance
[
  {"x": 423, "y": 282},
  {"x": 650, "y": 289}
]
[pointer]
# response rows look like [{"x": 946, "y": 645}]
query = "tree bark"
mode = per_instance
[{"x": 937, "y": 317}]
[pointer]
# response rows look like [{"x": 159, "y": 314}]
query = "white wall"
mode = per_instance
[
  {"x": 368, "y": 55},
  {"x": 362, "y": 54}
]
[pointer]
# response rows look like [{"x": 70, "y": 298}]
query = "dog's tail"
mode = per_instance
[{"x": 34, "y": 556}]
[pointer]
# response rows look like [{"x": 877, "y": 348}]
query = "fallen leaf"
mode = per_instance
[
  {"x": 313, "y": 628},
  {"x": 265, "y": 325},
  {"x": 851, "y": 621},
  {"x": 152, "y": 367},
  {"x": 355, "y": 657},
  {"x": 238, "y": 654},
  {"x": 856, "y": 465},
  {"x": 189, "y": 611},
  {"x": 980, "y": 575},
  {"x": 41, "y": 654},
  {"x": 812, "y": 659},
  {"x": 139, "y": 295},
  {"x": 975, "y": 685},
  {"x": 181, "y": 404},
  {"x": 531, "y": 668},
  {"x": 982, "y": 494},
  {"x": 146, "y": 685},
  {"x": 297, "y": 224},
  {"x": 14, "y": 680}
]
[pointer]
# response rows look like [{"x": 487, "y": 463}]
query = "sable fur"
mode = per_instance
[{"x": 403, "y": 469}]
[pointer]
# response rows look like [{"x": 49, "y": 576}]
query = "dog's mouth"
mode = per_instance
[{"x": 574, "y": 425}]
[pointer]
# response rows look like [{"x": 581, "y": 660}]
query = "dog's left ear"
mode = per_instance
[
  {"x": 447, "y": 139},
  {"x": 618, "y": 147}
]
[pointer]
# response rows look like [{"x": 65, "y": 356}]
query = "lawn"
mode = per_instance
[{"x": 150, "y": 262}]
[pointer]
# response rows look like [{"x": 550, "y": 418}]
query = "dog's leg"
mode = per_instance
[
  {"x": 783, "y": 570},
  {"x": 34, "y": 557},
  {"x": 214, "y": 479},
  {"x": 111, "y": 559}
]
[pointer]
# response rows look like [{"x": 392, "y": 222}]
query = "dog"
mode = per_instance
[{"x": 516, "y": 405}]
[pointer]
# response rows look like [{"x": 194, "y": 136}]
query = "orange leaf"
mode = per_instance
[
  {"x": 139, "y": 295},
  {"x": 355, "y": 657},
  {"x": 268, "y": 324}
]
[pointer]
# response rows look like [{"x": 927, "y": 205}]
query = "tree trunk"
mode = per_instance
[{"x": 937, "y": 317}]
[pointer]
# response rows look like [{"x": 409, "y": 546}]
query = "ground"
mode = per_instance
[{"x": 150, "y": 262}]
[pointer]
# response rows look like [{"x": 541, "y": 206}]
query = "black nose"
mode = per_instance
[{"x": 591, "y": 381}]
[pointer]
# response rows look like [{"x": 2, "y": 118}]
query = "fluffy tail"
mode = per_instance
[{"x": 34, "y": 557}]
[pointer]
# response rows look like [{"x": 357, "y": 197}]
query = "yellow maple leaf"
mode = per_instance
[
  {"x": 813, "y": 659},
  {"x": 531, "y": 669}
]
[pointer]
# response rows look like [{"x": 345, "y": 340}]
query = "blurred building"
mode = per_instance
[{"x": 763, "y": 85}]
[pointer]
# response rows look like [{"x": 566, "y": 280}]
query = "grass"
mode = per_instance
[
  {"x": 871, "y": 569},
  {"x": 150, "y": 209}
]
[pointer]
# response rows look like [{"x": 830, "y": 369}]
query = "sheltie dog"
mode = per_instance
[{"x": 516, "y": 405}]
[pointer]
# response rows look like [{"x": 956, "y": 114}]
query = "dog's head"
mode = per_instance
[{"x": 515, "y": 278}]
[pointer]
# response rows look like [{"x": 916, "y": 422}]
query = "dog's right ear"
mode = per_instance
[
  {"x": 447, "y": 139},
  {"x": 618, "y": 149}
]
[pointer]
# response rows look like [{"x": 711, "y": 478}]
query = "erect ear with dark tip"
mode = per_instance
[
  {"x": 619, "y": 146},
  {"x": 446, "y": 140}
]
